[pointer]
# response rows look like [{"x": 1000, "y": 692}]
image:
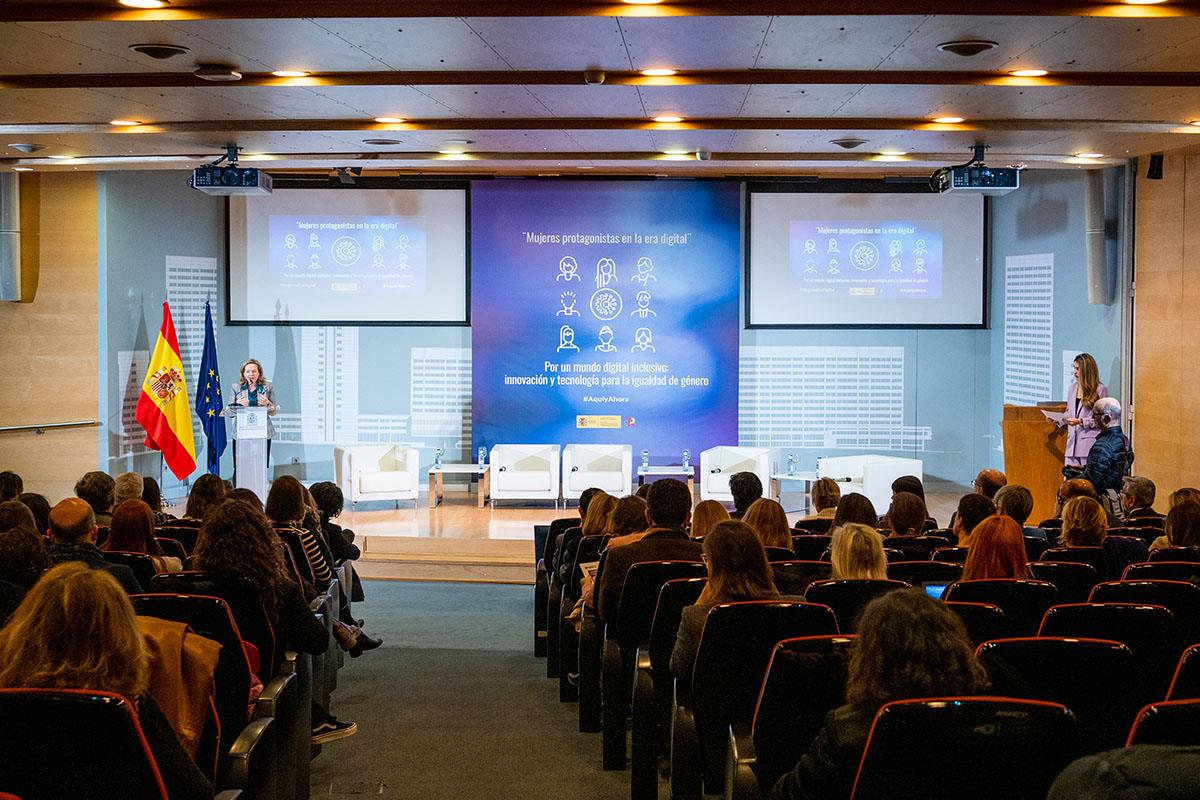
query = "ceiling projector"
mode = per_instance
[
  {"x": 212, "y": 179},
  {"x": 976, "y": 177}
]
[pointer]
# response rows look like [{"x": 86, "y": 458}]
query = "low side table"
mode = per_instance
[
  {"x": 808, "y": 478},
  {"x": 436, "y": 488},
  {"x": 687, "y": 474}
]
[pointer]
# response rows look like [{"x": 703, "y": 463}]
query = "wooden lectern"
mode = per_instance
[{"x": 1033, "y": 454}]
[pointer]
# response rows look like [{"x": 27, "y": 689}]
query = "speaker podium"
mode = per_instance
[
  {"x": 1034, "y": 449},
  {"x": 250, "y": 447}
]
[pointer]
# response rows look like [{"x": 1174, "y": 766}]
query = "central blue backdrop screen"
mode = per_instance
[{"x": 605, "y": 312}]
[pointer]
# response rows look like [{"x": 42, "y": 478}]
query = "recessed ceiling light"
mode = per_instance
[
  {"x": 641, "y": 2},
  {"x": 658, "y": 72},
  {"x": 947, "y": 120},
  {"x": 144, "y": 3},
  {"x": 893, "y": 152},
  {"x": 1143, "y": 2},
  {"x": 668, "y": 118},
  {"x": 290, "y": 73},
  {"x": 1195, "y": 122},
  {"x": 389, "y": 120},
  {"x": 1089, "y": 155},
  {"x": 454, "y": 146},
  {"x": 61, "y": 157},
  {"x": 22, "y": 169},
  {"x": 676, "y": 152},
  {"x": 1028, "y": 73},
  {"x": 124, "y": 122}
]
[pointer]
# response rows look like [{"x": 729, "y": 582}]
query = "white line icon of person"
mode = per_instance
[
  {"x": 289, "y": 241},
  {"x": 314, "y": 261},
  {"x": 606, "y": 272},
  {"x": 566, "y": 339},
  {"x": 810, "y": 247},
  {"x": 289, "y": 261},
  {"x": 833, "y": 247},
  {"x": 920, "y": 249},
  {"x": 645, "y": 270},
  {"x": 643, "y": 337},
  {"x": 895, "y": 266},
  {"x": 568, "y": 270},
  {"x": 810, "y": 267},
  {"x": 833, "y": 267},
  {"x": 376, "y": 243},
  {"x": 377, "y": 261},
  {"x": 920, "y": 268},
  {"x": 568, "y": 305},
  {"x": 643, "y": 310},
  {"x": 895, "y": 248},
  {"x": 314, "y": 242},
  {"x": 404, "y": 245},
  {"x": 606, "y": 336}
]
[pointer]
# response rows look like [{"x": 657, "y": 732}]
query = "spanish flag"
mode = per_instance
[{"x": 163, "y": 408}]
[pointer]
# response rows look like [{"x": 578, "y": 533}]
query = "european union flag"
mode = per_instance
[{"x": 208, "y": 397}]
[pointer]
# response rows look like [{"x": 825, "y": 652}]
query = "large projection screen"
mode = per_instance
[
  {"x": 349, "y": 256},
  {"x": 901, "y": 260}
]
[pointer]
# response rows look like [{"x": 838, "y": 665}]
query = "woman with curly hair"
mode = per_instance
[
  {"x": 769, "y": 521},
  {"x": 76, "y": 630},
  {"x": 997, "y": 550},
  {"x": 908, "y": 646},
  {"x": 627, "y": 521},
  {"x": 207, "y": 493},
  {"x": 1084, "y": 523},
  {"x": 132, "y": 531}
]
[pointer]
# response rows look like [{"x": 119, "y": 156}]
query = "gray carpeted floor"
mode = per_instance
[{"x": 454, "y": 705}]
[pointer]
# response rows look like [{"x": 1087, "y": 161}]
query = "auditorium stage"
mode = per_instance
[{"x": 458, "y": 541}]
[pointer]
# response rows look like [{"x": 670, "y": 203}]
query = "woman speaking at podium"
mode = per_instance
[
  {"x": 255, "y": 390},
  {"x": 1082, "y": 394}
]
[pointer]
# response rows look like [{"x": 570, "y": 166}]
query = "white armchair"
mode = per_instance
[
  {"x": 525, "y": 472},
  {"x": 605, "y": 466},
  {"x": 869, "y": 475},
  {"x": 718, "y": 464},
  {"x": 377, "y": 472}
]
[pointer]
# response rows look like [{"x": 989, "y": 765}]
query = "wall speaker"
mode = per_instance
[
  {"x": 10, "y": 237},
  {"x": 1154, "y": 173},
  {"x": 1093, "y": 233}
]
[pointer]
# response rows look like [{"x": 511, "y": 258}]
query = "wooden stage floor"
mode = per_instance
[{"x": 458, "y": 541}]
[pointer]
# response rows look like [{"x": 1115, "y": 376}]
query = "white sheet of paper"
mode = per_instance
[{"x": 1057, "y": 417}]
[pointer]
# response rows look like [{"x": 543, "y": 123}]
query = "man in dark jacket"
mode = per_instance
[
  {"x": 73, "y": 529},
  {"x": 668, "y": 508},
  {"x": 1137, "y": 499},
  {"x": 1110, "y": 457}
]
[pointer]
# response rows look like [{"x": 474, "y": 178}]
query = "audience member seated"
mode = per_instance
[
  {"x": 668, "y": 508},
  {"x": 565, "y": 538},
  {"x": 330, "y": 500},
  {"x": 237, "y": 541},
  {"x": 705, "y": 515},
  {"x": 11, "y": 485},
  {"x": 1182, "y": 527},
  {"x": 40, "y": 507},
  {"x": 595, "y": 523},
  {"x": 73, "y": 531},
  {"x": 988, "y": 482},
  {"x": 906, "y": 516},
  {"x": 15, "y": 514},
  {"x": 76, "y": 630},
  {"x": 1083, "y": 523},
  {"x": 911, "y": 484},
  {"x": 972, "y": 510},
  {"x": 1186, "y": 493},
  {"x": 207, "y": 493},
  {"x": 745, "y": 488},
  {"x": 856, "y": 553},
  {"x": 246, "y": 496},
  {"x": 769, "y": 522},
  {"x": 96, "y": 489},
  {"x": 1141, "y": 772},
  {"x": 23, "y": 559},
  {"x": 1015, "y": 501},
  {"x": 825, "y": 496},
  {"x": 643, "y": 490},
  {"x": 627, "y": 520},
  {"x": 152, "y": 496},
  {"x": 1137, "y": 501},
  {"x": 854, "y": 507},
  {"x": 1072, "y": 487},
  {"x": 132, "y": 531},
  {"x": 737, "y": 570},
  {"x": 908, "y": 646},
  {"x": 288, "y": 511},
  {"x": 1110, "y": 458},
  {"x": 997, "y": 550},
  {"x": 127, "y": 486}
]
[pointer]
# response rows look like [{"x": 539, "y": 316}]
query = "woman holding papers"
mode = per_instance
[{"x": 1082, "y": 394}]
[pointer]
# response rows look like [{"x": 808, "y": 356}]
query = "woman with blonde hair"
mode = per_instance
[
  {"x": 1082, "y": 394},
  {"x": 598, "y": 511},
  {"x": 737, "y": 570},
  {"x": 627, "y": 521},
  {"x": 856, "y": 553},
  {"x": 76, "y": 630},
  {"x": 825, "y": 496},
  {"x": 997, "y": 550},
  {"x": 705, "y": 515},
  {"x": 1084, "y": 523},
  {"x": 1182, "y": 526},
  {"x": 769, "y": 521}
]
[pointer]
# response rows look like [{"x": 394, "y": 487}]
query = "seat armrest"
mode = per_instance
[
  {"x": 687, "y": 779},
  {"x": 229, "y": 794},
  {"x": 252, "y": 759},
  {"x": 741, "y": 782}
]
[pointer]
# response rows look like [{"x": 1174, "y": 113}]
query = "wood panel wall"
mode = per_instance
[
  {"x": 1167, "y": 326},
  {"x": 49, "y": 348}
]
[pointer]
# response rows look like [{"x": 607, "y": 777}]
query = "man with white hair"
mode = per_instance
[{"x": 1110, "y": 458}]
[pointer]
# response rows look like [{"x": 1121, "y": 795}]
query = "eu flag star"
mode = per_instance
[
  {"x": 211, "y": 412},
  {"x": 212, "y": 373}
]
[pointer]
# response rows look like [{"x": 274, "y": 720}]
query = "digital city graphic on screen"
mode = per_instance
[{"x": 605, "y": 312}]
